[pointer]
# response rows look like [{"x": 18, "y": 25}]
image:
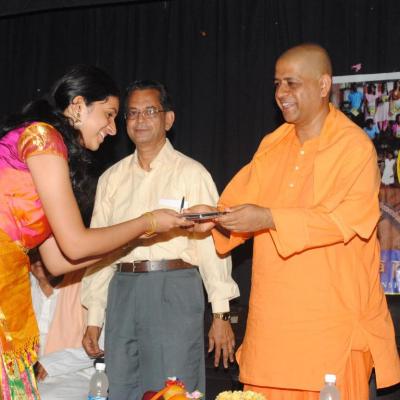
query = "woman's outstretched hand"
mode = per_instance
[{"x": 163, "y": 220}]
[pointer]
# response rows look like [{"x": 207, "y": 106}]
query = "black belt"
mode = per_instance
[{"x": 150, "y": 266}]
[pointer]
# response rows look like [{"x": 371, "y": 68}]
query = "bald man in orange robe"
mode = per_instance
[{"x": 309, "y": 197}]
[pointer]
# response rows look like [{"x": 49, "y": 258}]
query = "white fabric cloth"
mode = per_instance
[
  {"x": 69, "y": 370},
  {"x": 44, "y": 308}
]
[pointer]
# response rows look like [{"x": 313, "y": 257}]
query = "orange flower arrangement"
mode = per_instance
[{"x": 174, "y": 390}]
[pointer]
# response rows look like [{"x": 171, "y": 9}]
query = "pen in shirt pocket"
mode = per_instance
[{"x": 182, "y": 204}]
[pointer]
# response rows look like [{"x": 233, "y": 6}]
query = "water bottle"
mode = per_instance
[
  {"x": 98, "y": 386},
  {"x": 329, "y": 391}
]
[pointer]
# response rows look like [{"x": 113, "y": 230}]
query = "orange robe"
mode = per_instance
[{"x": 315, "y": 293}]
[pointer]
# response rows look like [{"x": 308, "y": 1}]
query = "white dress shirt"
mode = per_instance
[{"x": 126, "y": 191}]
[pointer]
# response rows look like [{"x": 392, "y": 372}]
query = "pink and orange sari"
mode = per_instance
[{"x": 23, "y": 226}]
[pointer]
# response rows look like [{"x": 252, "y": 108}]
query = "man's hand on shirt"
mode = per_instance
[
  {"x": 90, "y": 341},
  {"x": 221, "y": 339},
  {"x": 246, "y": 218},
  {"x": 40, "y": 372}
]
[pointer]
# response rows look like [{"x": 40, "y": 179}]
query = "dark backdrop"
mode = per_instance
[{"x": 216, "y": 56}]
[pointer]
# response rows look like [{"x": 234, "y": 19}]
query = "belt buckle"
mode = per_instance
[{"x": 134, "y": 265}]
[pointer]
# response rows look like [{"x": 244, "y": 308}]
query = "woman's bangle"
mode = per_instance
[{"x": 152, "y": 223}]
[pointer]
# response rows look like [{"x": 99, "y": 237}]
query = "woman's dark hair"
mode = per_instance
[{"x": 92, "y": 84}]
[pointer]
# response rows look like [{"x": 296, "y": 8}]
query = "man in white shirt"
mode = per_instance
[
  {"x": 155, "y": 307},
  {"x": 63, "y": 373}
]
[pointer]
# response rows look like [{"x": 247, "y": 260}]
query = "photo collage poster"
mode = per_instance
[{"x": 373, "y": 103}]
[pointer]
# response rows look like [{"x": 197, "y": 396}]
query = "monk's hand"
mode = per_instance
[
  {"x": 200, "y": 226},
  {"x": 246, "y": 218},
  {"x": 40, "y": 372},
  {"x": 90, "y": 341},
  {"x": 221, "y": 339}
]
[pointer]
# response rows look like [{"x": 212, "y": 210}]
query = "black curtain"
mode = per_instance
[
  {"x": 216, "y": 56},
  {"x": 19, "y": 7}
]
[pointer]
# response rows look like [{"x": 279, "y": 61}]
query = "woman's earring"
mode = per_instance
[{"x": 77, "y": 119}]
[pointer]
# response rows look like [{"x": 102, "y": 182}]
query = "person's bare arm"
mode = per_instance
[
  {"x": 57, "y": 263},
  {"x": 51, "y": 178}
]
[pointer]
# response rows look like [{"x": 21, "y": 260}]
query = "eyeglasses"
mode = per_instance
[{"x": 148, "y": 112}]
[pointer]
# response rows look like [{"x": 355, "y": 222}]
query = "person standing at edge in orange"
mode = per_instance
[{"x": 310, "y": 199}]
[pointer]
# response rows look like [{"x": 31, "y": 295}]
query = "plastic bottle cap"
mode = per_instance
[
  {"x": 100, "y": 366},
  {"x": 330, "y": 378}
]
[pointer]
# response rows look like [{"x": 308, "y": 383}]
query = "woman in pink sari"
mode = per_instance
[{"x": 43, "y": 163}]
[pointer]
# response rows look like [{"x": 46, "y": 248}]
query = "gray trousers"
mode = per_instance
[{"x": 154, "y": 330}]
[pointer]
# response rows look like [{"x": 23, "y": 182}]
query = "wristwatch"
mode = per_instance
[{"x": 225, "y": 316}]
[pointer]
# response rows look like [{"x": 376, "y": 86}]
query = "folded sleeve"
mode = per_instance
[
  {"x": 41, "y": 138},
  {"x": 351, "y": 208}
]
